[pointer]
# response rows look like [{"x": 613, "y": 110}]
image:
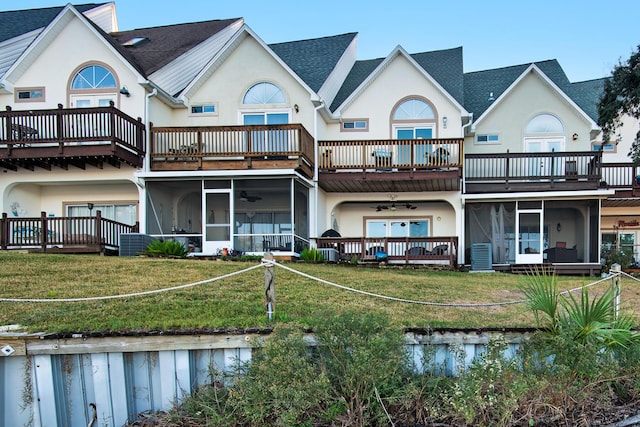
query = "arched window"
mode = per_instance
[
  {"x": 413, "y": 109},
  {"x": 93, "y": 85},
  {"x": 93, "y": 77},
  {"x": 413, "y": 118},
  {"x": 544, "y": 123},
  {"x": 264, "y": 93}
]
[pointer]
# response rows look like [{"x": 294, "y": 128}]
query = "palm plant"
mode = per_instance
[{"x": 588, "y": 320}]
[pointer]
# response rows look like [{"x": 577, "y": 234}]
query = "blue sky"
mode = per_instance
[{"x": 587, "y": 37}]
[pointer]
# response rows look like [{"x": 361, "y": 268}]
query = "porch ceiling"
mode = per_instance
[{"x": 392, "y": 181}]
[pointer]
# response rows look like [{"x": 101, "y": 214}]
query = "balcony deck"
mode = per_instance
[
  {"x": 623, "y": 177},
  {"x": 92, "y": 234},
  {"x": 515, "y": 172},
  {"x": 397, "y": 250},
  {"x": 70, "y": 137},
  {"x": 390, "y": 165},
  {"x": 287, "y": 146}
]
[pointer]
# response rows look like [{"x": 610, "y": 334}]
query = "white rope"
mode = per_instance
[
  {"x": 409, "y": 301},
  {"x": 308, "y": 276},
  {"x": 137, "y": 294},
  {"x": 629, "y": 276}
]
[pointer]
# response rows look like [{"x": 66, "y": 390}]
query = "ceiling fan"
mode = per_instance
[
  {"x": 394, "y": 206},
  {"x": 244, "y": 197}
]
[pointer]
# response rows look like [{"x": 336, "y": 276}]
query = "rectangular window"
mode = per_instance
[
  {"x": 204, "y": 109},
  {"x": 359, "y": 125},
  {"x": 32, "y": 94},
  {"x": 125, "y": 213},
  {"x": 607, "y": 148},
  {"x": 488, "y": 139}
]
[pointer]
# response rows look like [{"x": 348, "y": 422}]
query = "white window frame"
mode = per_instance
[
  {"x": 491, "y": 139},
  {"x": 355, "y": 128},
  {"x": 204, "y": 105},
  {"x": 30, "y": 90}
]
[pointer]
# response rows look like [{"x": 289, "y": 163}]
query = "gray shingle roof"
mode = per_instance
[
  {"x": 587, "y": 95},
  {"x": 165, "y": 43},
  {"x": 480, "y": 85},
  {"x": 445, "y": 66},
  {"x": 359, "y": 72},
  {"x": 16, "y": 22},
  {"x": 313, "y": 60}
]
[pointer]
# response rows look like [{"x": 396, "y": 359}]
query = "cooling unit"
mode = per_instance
[{"x": 481, "y": 259}]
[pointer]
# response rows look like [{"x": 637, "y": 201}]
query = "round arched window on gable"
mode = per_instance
[
  {"x": 413, "y": 118},
  {"x": 263, "y": 105},
  {"x": 544, "y": 123},
  {"x": 264, "y": 93},
  {"x": 544, "y": 134},
  {"x": 93, "y": 85}
]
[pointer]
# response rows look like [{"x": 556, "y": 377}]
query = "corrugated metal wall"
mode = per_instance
[{"x": 55, "y": 381}]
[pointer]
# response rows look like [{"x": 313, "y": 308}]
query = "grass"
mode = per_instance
[{"x": 239, "y": 301}]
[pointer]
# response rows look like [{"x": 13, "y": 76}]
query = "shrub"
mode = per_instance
[
  {"x": 166, "y": 248},
  {"x": 366, "y": 363},
  {"x": 311, "y": 254}
]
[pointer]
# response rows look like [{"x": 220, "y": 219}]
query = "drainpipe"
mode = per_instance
[
  {"x": 147, "y": 155},
  {"x": 314, "y": 231},
  {"x": 462, "y": 239},
  {"x": 147, "y": 160}
]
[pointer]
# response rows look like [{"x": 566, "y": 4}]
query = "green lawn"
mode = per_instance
[{"x": 239, "y": 301}]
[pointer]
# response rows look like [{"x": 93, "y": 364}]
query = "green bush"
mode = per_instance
[
  {"x": 616, "y": 256},
  {"x": 311, "y": 254},
  {"x": 166, "y": 248}
]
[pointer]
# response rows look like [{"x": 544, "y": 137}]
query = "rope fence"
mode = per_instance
[{"x": 268, "y": 263}]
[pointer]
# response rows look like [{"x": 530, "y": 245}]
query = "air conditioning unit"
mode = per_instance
[
  {"x": 131, "y": 244},
  {"x": 481, "y": 257}
]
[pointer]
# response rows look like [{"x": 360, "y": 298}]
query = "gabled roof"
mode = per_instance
[
  {"x": 444, "y": 66},
  {"x": 313, "y": 60},
  {"x": 161, "y": 45},
  {"x": 16, "y": 22},
  {"x": 555, "y": 78},
  {"x": 359, "y": 72},
  {"x": 481, "y": 88},
  {"x": 587, "y": 95}
]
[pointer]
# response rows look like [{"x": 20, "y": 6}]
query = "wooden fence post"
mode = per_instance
[
  {"x": 4, "y": 231},
  {"x": 44, "y": 231},
  {"x": 615, "y": 284},
  {"x": 269, "y": 286}
]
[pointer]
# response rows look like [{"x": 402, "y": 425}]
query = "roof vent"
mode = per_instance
[{"x": 134, "y": 41}]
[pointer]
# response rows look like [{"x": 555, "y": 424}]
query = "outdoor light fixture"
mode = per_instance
[
  {"x": 90, "y": 207},
  {"x": 125, "y": 91},
  {"x": 559, "y": 227},
  {"x": 296, "y": 107},
  {"x": 444, "y": 122}
]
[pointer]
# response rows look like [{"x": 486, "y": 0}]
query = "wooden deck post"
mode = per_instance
[
  {"x": 269, "y": 286},
  {"x": 43, "y": 231},
  {"x": 4, "y": 231}
]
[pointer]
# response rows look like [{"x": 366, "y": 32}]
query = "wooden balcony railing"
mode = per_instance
[
  {"x": 532, "y": 171},
  {"x": 212, "y": 146},
  {"x": 621, "y": 175},
  {"x": 396, "y": 154},
  {"x": 71, "y": 133},
  {"x": 394, "y": 249},
  {"x": 49, "y": 234}
]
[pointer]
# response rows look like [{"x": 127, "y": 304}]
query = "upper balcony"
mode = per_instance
[
  {"x": 390, "y": 165},
  {"x": 623, "y": 177},
  {"x": 517, "y": 172},
  {"x": 63, "y": 137},
  {"x": 287, "y": 146}
]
